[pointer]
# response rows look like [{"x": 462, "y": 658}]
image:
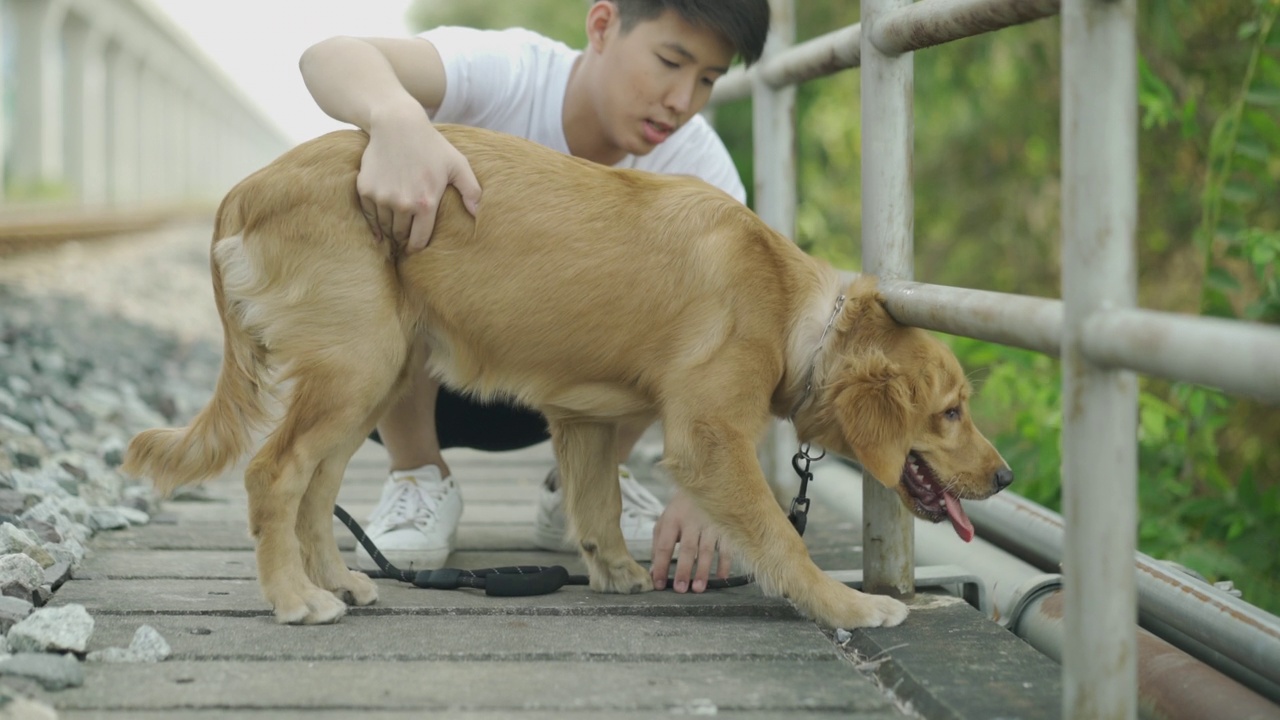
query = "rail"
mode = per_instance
[{"x": 1097, "y": 330}]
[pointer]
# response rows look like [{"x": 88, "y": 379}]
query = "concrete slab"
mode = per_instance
[
  {"x": 243, "y": 565},
  {"x": 240, "y": 598},
  {"x": 499, "y": 511},
  {"x": 691, "y": 707},
  {"x": 475, "y": 638},
  {"x": 235, "y": 536},
  {"x": 951, "y": 662},
  {"x": 662, "y": 687}
]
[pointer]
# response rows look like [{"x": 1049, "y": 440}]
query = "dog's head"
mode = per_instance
[{"x": 896, "y": 399}]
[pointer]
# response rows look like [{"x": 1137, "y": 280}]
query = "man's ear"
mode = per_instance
[
  {"x": 600, "y": 18},
  {"x": 873, "y": 406}
]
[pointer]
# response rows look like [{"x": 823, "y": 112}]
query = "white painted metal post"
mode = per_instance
[
  {"x": 1099, "y": 424},
  {"x": 37, "y": 141},
  {"x": 4, "y": 117},
  {"x": 887, "y": 221},
  {"x": 773, "y": 139},
  {"x": 86, "y": 102}
]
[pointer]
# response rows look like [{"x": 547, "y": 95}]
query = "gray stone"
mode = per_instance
[
  {"x": 43, "y": 530},
  {"x": 15, "y": 502},
  {"x": 133, "y": 515},
  {"x": 70, "y": 551},
  {"x": 12, "y": 611},
  {"x": 18, "y": 707},
  {"x": 20, "y": 540},
  {"x": 53, "y": 671},
  {"x": 20, "y": 576},
  {"x": 102, "y": 518},
  {"x": 56, "y": 574},
  {"x": 147, "y": 646},
  {"x": 66, "y": 628}
]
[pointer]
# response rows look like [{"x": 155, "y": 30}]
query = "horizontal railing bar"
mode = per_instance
[
  {"x": 920, "y": 25},
  {"x": 1022, "y": 321},
  {"x": 1239, "y": 357},
  {"x": 933, "y": 22},
  {"x": 824, "y": 55},
  {"x": 1236, "y": 356}
]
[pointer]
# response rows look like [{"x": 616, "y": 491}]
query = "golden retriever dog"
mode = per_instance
[{"x": 593, "y": 294}]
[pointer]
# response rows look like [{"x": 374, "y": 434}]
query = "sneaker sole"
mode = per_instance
[{"x": 429, "y": 559}]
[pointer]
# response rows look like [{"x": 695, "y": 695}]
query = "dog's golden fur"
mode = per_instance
[{"x": 593, "y": 294}]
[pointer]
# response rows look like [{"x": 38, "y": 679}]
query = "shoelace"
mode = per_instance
[{"x": 409, "y": 503}]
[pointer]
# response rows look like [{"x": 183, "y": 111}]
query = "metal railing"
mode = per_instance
[{"x": 1096, "y": 329}]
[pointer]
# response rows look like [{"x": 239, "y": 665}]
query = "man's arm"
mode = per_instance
[{"x": 386, "y": 86}]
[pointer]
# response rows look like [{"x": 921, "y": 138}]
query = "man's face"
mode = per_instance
[{"x": 656, "y": 76}]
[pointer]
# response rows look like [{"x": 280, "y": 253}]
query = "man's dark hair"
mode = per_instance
[{"x": 744, "y": 23}]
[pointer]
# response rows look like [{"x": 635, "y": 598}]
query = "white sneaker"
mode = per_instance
[
  {"x": 416, "y": 522},
  {"x": 640, "y": 511}
]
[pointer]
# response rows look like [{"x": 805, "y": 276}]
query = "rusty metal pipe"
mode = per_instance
[
  {"x": 1229, "y": 626},
  {"x": 1172, "y": 685}
]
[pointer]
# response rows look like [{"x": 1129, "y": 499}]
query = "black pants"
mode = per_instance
[{"x": 463, "y": 422}]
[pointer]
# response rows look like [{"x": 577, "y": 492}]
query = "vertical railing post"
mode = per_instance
[
  {"x": 773, "y": 138},
  {"x": 1099, "y": 404},
  {"x": 887, "y": 221}
]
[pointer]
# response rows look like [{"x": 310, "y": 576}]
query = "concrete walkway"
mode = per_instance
[{"x": 190, "y": 574}]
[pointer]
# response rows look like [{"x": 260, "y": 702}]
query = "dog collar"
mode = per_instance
[{"x": 813, "y": 361}]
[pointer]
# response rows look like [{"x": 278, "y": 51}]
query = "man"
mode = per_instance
[{"x": 629, "y": 99}]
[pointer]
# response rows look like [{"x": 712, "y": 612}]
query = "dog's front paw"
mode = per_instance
[
  {"x": 838, "y": 606},
  {"x": 625, "y": 577},
  {"x": 312, "y": 606}
]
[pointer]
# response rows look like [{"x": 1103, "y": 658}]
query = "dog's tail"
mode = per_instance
[{"x": 221, "y": 432}]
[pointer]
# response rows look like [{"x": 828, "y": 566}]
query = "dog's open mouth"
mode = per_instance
[{"x": 932, "y": 501}]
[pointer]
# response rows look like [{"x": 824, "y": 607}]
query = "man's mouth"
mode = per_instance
[
  {"x": 932, "y": 501},
  {"x": 656, "y": 132}
]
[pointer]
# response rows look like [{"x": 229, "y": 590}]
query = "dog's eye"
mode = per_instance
[{"x": 952, "y": 413}]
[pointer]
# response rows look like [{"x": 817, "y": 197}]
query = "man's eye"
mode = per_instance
[{"x": 667, "y": 62}]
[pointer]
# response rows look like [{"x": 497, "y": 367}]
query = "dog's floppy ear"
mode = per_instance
[{"x": 873, "y": 406}]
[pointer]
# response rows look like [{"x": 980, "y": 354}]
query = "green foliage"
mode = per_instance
[{"x": 1206, "y": 499}]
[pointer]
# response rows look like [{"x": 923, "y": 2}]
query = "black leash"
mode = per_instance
[{"x": 528, "y": 580}]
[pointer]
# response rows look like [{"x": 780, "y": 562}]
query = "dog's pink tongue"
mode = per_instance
[{"x": 959, "y": 521}]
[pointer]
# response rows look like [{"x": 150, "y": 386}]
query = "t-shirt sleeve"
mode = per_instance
[
  {"x": 697, "y": 150},
  {"x": 482, "y": 70}
]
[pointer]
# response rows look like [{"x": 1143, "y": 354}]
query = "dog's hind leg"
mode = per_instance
[
  {"x": 320, "y": 556},
  {"x": 294, "y": 480},
  {"x": 585, "y": 452}
]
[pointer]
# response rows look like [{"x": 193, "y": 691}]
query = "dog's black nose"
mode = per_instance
[{"x": 1003, "y": 478}]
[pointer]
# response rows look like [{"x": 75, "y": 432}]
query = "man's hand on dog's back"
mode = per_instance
[
  {"x": 387, "y": 86},
  {"x": 405, "y": 171}
]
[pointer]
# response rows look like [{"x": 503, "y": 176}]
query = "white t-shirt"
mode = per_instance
[{"x": 514, "y": 81}]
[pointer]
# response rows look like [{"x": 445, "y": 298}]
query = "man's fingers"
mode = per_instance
[
  {"x": 370, "y": 212},
  {"x": 401, "y": 222},
  {"x": 420, "y": 235},
  {"x": 386, "y": 220},
  {"x": 465, "y": 180},
  {"x": 706, "y": 556},
  {"x": 684, "y": 563},
  {"x": 664, "y": 544}
]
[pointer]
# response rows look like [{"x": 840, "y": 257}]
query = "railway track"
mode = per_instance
[{"x": 31, "y": 227}]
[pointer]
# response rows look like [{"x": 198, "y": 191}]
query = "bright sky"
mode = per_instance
[{"x": 257, "y": 43}]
